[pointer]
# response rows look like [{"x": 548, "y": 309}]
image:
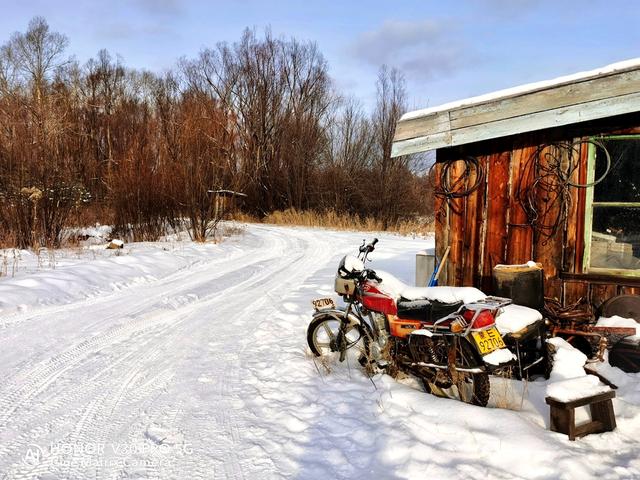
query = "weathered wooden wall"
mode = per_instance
[{"x": 489, "y": 226}]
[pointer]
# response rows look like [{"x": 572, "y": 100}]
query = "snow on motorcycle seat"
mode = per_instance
[
  {"x": 511, "y": 319},
  {"x": 397, "y": 288}
]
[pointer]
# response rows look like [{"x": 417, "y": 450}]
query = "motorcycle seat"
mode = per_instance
[{"x": 425, "y": 310}]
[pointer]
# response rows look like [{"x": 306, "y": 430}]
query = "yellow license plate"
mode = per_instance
[{"x": 488, "y": 340}]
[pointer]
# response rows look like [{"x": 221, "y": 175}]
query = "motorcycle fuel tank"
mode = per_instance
[{"x": 377, "y": 301}]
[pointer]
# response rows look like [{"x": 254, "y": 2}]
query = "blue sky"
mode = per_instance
[{"x": 447, "y": 50}]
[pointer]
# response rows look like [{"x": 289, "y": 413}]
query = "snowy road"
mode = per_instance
[
  {"x": 164, "y": 369},
  {"x": 202, "y": 372}
]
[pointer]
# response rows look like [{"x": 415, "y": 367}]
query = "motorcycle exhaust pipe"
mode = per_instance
[{"x": 445, "y": 367}]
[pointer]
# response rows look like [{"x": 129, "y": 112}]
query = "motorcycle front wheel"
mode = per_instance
[
  {"x": 473, "y": 388},
  {"x": 324, "y": 335}
]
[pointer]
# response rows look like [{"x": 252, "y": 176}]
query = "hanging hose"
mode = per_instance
[
  {"x": 459, "y": 188},
  {"x": 547, "y": 199}
]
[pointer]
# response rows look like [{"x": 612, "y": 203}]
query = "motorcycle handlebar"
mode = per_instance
[
  {"x": 365, "y": 250},
  {"x": 370, "y": 247}
]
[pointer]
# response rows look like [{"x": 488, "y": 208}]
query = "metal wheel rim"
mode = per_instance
[
  {"x": 327, "y": 330},
  {"x": 463, "y": 390}
]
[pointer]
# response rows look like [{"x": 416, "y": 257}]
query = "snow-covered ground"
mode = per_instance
[{"x": 185, "y": 361}]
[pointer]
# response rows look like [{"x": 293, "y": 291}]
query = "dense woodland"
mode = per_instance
[{"x": 100, "y": 142}]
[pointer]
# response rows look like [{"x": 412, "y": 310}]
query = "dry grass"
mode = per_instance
[
  {"x": 231, "y": 230},
  {"x": 507, "y": 392},
  {"x": 338, "y": 221},
  {"x": 91, "y": 214},
  {"x": 8, "y": 239}
]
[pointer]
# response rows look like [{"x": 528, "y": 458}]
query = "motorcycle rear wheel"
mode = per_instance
[{"x": 473, "y": 388}]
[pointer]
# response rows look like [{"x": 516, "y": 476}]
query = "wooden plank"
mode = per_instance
[
  {"x": 574, "y": 291},
  {"x": 580, "y": 402},
  {"x": 602, "y": 412},
  {"x": 482, "y": 225},
  {"x": 605, "y": 277},
  {"x": 600, "y": 293},
  {"x": 556, "y": 117},
  {"x": 588, "y": 209},
  {"x": 526, "y": 123},
  {"x": 473, "y": 223},
  {"x": 590, "y": 90},
  {"x": 420, "y": 144},
  {"x": 547, "y": 246},
  {"x": 519, "y": 234},
  {"x": 574, "y": 227},
  {"x": 442, "y": 221},
  {"x": 457, "y": 227},
  {"x": 416, "y": 127},
  {"x": 632, "y": 131},
  {"x": 583, "y": 173},
  {"x": 496, "y": 224}
]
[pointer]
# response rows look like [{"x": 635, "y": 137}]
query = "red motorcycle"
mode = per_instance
[{"x": 451, "y": 346}]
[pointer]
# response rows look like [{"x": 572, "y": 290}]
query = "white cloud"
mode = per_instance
[{"x": 423, "y": 49}]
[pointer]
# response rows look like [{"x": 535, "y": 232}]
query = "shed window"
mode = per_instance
[{"x": 613, "y": 208}]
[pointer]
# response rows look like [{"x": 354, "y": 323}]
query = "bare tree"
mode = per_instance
[
  {"x": 109, "y": 143},
  {"x": 199, "y": 143},
  {"x": 391, "y": 173},
  {"x": 39, "y": 187},
  {"x": 347, "y": 160},
  {"x": 35, "y": 55},
  {"x": 279, "y": 92},
  {"x": 104, "y": 90}
]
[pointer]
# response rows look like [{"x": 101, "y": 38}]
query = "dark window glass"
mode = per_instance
[{"x": 622, "y": 183}]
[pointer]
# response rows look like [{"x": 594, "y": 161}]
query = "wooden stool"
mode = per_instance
[{"x": 563, "y": 418}]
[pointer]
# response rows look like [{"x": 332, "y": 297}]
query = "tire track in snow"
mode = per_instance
[
  {"x": 225, "y": 372},
  {"x": 228, "y": 439},
  {"x": 47, "y": 373},
  {"x": 231, "y": 466},
  {"x": 184, "y": 276},
  {"x": 30, "y": 381}
]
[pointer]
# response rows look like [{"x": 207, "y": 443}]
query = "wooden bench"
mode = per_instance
[{"x": 563, "y": 418}]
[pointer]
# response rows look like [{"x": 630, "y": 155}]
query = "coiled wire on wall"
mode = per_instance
[
  {"x": 544, "y": 187},
  {"x": 459, "y": 187}
]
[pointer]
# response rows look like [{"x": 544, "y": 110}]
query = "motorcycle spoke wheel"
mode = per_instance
[
  {"x": 470, "y": 388},
  {"x": 324, "y": 333}
]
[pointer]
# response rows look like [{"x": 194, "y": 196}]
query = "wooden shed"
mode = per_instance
[
  {"x": 226, "y": 202},
  {"x": 548, "y": 172}
]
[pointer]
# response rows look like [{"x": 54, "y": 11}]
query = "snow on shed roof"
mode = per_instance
[{"x": 607, "y": 91}]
